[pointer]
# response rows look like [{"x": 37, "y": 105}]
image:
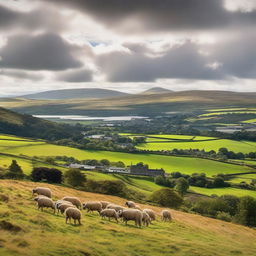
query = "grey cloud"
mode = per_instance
[
  {"x": 43, "y": 18},
  {"x": 41, "y": 52},
  {"x": 76, "y": 76},
  {"x": 21, "y": 75},
  {"x": 152, "y": 15},
  {"x": 180, "y": 62}
]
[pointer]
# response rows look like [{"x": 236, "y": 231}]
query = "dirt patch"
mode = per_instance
[{"x": 6, "y": 225}]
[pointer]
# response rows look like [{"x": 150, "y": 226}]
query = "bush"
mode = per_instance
[
  {"x": 224, "y": 216},
  {"x": 182, "y": 186},
  {"x": 246, "y": 211},
  {"x": 75, "y": 178},
  {"x": 110, "y": 187},
  {"x": 51, "y": 175},
  {"x": 166, "y": 197}
]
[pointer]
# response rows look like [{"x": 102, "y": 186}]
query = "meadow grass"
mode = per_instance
[
  {"x": 243, "y": 178},
  {"x": 43, "y": 233},
  {"x": 187, "y": 165},
  {"x": 250, "y": 121},
  {"x": 223, "y": 191}
]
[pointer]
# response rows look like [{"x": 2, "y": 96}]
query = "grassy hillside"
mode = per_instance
[{"x": 42, "y": 233}]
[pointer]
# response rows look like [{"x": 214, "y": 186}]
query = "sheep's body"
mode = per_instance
[
  {"x": 130, "y": 204},
  {"x": 62, "y": 207},
  {"x": 104, "y": 204},
  {"x": 74, "y": 200},
  {"x": 132, "y": 214},
  {"x": 109, "y": 213},
  {"x": 40, "y": 196},
  {"x": 60, "y": 202},
  {"x": 42, "y": 191},
  {"x": 92, "y": 206},
  {"x": 151, "y": 214},
  {"x": 137, "y": 207},
  {"x": 116, "y": 207},
  {"x": 73, "y": 213},
  {"x": 166, "y": 215},
  {"x": 145, "y": 219},
  {"x": 45, "y": 202}
]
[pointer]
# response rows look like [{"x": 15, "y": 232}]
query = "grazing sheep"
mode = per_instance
[
  {"x": 73, "y": 213},
  {"x": 59, "y": 202},
  {"x": 42, "y": 191},
  {"x": 115, "y": 207},
  {"x": 40, "y": 196},
  {"x": 74, "y": 200},
  {"x": 92, "y": 206},
  {"x": 110, "y": 213},
  {"x": 130, "y": 204},
  {"x": 166, "y": 215},
  {"x": 104, "y": 204},
  {"x": 45, "y": 202},
  {"x": 131, "y": 214},
  {"x": 62, "y": 207},
  {"x": 145, "y": 219},
  {"x": 151, "y": 214}
]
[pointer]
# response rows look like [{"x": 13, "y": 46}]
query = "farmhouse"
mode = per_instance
[
  {"x": 114, "y": 169},
  {"x": 141, "y": 169}
]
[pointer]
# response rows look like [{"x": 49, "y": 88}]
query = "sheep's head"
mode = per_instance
[
  {"x": 84, "y": 205},
  {"x": 120, "y": 213},
  {"x": 34, "y": 190}
]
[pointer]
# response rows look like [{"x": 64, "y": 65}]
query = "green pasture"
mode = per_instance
[
  {"x": 250, "y": 121},
  {"x": 223, "y": 191},
  {"x": 243, "y": 178},
  {"x": 228, "y": 112}
]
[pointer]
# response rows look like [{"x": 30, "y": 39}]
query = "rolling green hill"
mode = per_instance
[{"x": 26, "y": 231}]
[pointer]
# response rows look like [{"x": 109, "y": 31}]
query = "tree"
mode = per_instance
[
  {"x": 15, "y": 171},
  {"x": 15, "y": 168},
  {"x": 246, "y": 211},
  {"x": 219, "y": 182},
  {"x": 75, "y": 178},
  {"x": 182, "y": 186},
  {"x": 160, "y": 180},
  {"x": 46, "y": 174},
  {"x": 166, "y": 197},
  {"x": 105, "y": 162}
]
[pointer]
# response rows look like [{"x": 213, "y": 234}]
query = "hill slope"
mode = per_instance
[
  {"x": 156, "y": 90},
  {"x": 140, "y": 104},
  {"x": 31, "y": 232},
  {"x": 29, "y": 126},
  {"x": 85, "y": 93}
]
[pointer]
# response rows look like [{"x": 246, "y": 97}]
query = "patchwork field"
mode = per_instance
[
  {"x": 170, "y": 142},
  {"x": 187, "y": 165},
  {"x": 32, "y": 232}
]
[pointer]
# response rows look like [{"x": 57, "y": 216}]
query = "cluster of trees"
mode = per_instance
[
  {"x": 14, "y": 171},
  {"x": 50, "y": 175},
  {"x": 228, "y": 208},
  {"x": 178, "y": 181}
]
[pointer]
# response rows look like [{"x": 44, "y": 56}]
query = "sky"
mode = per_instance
[{"x": 128, "y": 46}]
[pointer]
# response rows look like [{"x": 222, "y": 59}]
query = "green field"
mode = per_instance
[
  {"x": 165, "y": 142},
  {"x": 223, "y": 191},
  {"x": 32, "y": 232},
  {"x": 228, "y": 112},
  {"x": 243, "y": 178},
  {"x": 250, "y": 121}
]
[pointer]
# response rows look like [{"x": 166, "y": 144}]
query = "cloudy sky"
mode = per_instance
[{"x": 127, "y": 45}]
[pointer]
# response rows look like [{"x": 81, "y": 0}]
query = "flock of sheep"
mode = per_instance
[{"x": 69, "y": 206}]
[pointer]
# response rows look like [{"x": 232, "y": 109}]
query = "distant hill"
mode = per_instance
[
  {"x": 85, "y": 93},
  {"x": 135, "y": 104},
  {"x": 29, "y": 126},
  {"x": 156, "y": 90}
]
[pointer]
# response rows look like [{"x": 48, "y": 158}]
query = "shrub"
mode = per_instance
[
  {"x": 15, "y": 171},
  {"x": 182, "y": 186},
  {"x": 224, "y": 216},
  {"x": 166, "y": 197},
  {"x": 51, "y": 175},
  {"x": 75, "y": 178}
]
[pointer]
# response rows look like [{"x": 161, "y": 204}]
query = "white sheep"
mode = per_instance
[
  {"x": 92, "y": 206},
  {"x": 151, "y": 214},
  {"x": 40, "y": 196},
  {"x": 60, "y": 202},
  {"x": 131, "y": 214},
  {"x": 74, "y": 200},
  {"x": 145, "y": 219},
  {"x": 115, "y": 207},
  {"x": 104, "y": 204},
  {"x": 166, "y": 215},
  {"x": 45, "y": 202},
  {"x": 130, "y": 204},
  {"x": 73, "y": 213},
  {"x": 110, "y": 213},
  {"x": 42, "y": 191}
]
